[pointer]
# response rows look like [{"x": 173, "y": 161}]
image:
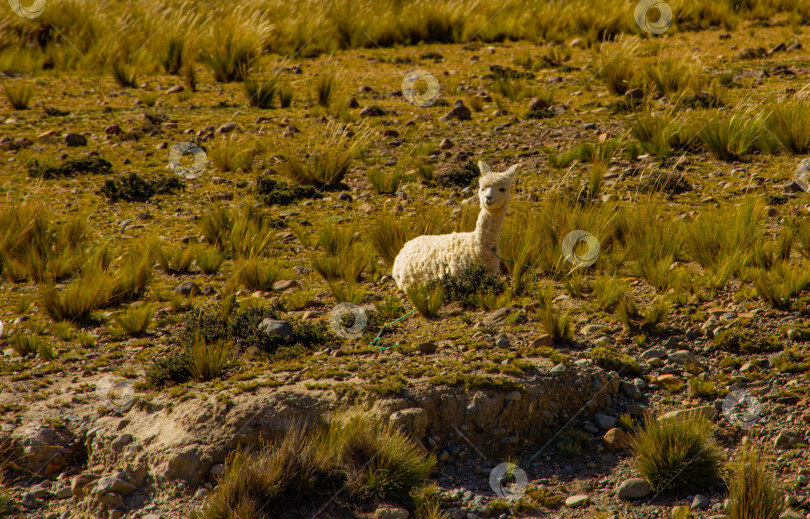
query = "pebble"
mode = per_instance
[
  {"x": 577, "y": 500},
  {"x": 633, "y": 488}
]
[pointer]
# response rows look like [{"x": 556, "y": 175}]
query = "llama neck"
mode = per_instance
[{"x": 488, "y": 228}]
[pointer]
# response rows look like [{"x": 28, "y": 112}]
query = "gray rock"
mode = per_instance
[
  {"x": 276, "y": 328},
  {"x": 390, "y": 512},
  {"x": 654, "y": 353},
  {"x": 633, "y": 488},
  {"x": 458, "y": 112},
  {"x": 700, "y": 502},
  {"x": 604, "y": 421},
  {"x": 109, "y": 484},
  {"x": 227, "y": 128},
  {"x": 188, "y": 288},
  {"x": 592, "y": 329},
  {"x": 682, "y": 357}
]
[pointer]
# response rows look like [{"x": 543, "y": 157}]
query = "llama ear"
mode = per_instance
[
  {"x": 511, "y": 172},
  {"x": 484, "y": 167}
]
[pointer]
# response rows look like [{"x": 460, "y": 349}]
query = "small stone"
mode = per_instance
[
  {"x": 787, "y": 438},
  {"x": 538, "y": 104},
  {"x": 592, "y": 329},
  {"x": 74, "y": 140},
  {"x": 390, "y": 512},
  {"x": 47, "y": 136},
  {"x": 604, "y": 421},
  {"x": 217, "y": 469},
  {"x": 458, "y": 112},
  {"x": 109, "y": 484},
  {"x": 446, "y": 144},
  {"x": 188, "y": 288},
  {"x": 285, "y": 284},
  {"x": 227, "y": 128},
  {"x": 616, "y": 439},
  {"x": 176, "y": 89},
  {"x": 589, "y": 126},
  {"x": 372, "y": 111},
  {"x": 544, "y": 340},
  {"x": 427, "y": 347},
  {"x": 276, "y": 328},
  {"x": 634, "y": 94},
  {"x": 700, "y": 502},
  {"x": 577, "y": 501},
  {"x": 633, "y": 488},
  {"x": 683, "y": 358},
  {"x": 351, "y": 102}
]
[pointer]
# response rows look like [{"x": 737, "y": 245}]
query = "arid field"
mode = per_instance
[{"x": 202, "y": 205}]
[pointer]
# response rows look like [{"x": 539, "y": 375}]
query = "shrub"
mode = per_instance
[
  {"x": 467, "y": 285},
  {"x": 24, "y": 344},
  {"x": 176, "y": 260},
  {"x": 788, "y": 122},
  {"x": 752, "y": 491},
  {"x": 610, "y": 359},
  {"x": 677, "y": 453},
  {"x": 462, "y": 176},
  {"x": 172, "y": 369},
  {"x": 232, "y": 49},
  {"x": 70, "y": 167},
  {"x": 135, "y": 320},
  {"x": 274, "y": 192},
  {"x": 285, "y": 96},
  {"x": 134, "y": 188},
  {"x": 78, "y": 300}
]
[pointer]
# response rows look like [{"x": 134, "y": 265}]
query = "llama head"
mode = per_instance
[{"x": 495, "y": 189}]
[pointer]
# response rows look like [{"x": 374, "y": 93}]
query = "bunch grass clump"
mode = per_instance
[
  {"x": 328, "y": 160},
  {"x": 752, "y": 490},
  {"x": 677, "y": 453},
  {"x": 372, "y": 461}
]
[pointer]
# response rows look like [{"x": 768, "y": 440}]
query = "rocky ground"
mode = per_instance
[{"x": 91, "y": 438}]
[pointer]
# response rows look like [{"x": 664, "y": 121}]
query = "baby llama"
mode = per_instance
[{"x": 429, "y": 257}]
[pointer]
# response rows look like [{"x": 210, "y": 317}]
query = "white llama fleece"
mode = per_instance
[{"x": 429, "y": 257}]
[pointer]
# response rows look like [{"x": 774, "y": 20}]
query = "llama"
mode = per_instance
[{"x": 425, "y": 258}]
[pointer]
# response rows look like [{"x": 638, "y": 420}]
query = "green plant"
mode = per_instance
[
  {"x": 19, "y": 97},
  {"x": 468, "y": 285},
  {"x": 571, "y": 442},
  {"x": 25, "y": 344},
  {"x": 135, "y": 320},
  {"x": 328, "y": 158},
  {"x": 778, "y": 284},
  {"x": 610, "y": 359},
  {"x": 260, "y": 93},
  {"x": 133, "y": 188},
  {"x": 752, "y": 490},
  {"x": 556, "y": 325},
  {"x": 279, "y": 192},
  {"x": 207, "y": 361},
  {"x": 63, "y": 330},
  {"x": 325, "y": 88},
  {"x": 702, "y": 388},
  {"x": 617, "y": 69},
  {"x": 123, "y": 73},
  {"x": 426, "y": 300},
  {"x": 389, "y": 308},
  {"x": 209, "y": 259},
  {"x": 729, "y": 137},
  {"x": 232, "y": 49},
  {"x": 255, "y": 275},
  {"x": 176, "y": 260},
  {"x": 788, "y": 123},
  {"x": 677, "y": 453},
  {"x": 388, "y": 235},
  {"x": 385, "y": 183},
  {"x": 372, "y": 461},
  {"x": 285, "y": 96}
]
